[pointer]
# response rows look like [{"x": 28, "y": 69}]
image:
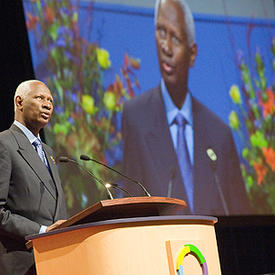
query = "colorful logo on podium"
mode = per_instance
[{"x": 193, "y": 250}]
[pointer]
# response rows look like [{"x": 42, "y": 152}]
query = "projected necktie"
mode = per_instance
[
  {"x": 39, "y": 149},
  {"x": 184, "y": 161}
]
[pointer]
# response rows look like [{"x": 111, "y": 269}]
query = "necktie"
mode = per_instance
[
  {"x": 184, "y": 161},
  {"x": 39, "y": 149}
]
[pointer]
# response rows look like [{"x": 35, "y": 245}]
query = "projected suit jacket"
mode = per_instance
[
  {"x": 149, "y": 156},
  {"x": 29, "y": 196}
]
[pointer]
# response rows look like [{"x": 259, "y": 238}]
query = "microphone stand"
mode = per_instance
[
  {"x": 213, "y": 158},
  {"x": 86, "y": 158},
  {"x": 115, "y": 186}
]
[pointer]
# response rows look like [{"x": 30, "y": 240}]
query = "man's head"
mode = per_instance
[
  {"x": 177, "y": 50},
  {"x": 33, "y": 105},
  {"x": 188, "y": 18}
]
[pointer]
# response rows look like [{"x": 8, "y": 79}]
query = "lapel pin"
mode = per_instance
[{"x": 53, "y": 160}]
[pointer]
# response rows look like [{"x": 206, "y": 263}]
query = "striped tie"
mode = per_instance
[{"x": 39, "y": 149}]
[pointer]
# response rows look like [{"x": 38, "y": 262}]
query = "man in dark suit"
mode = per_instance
[
  {"x": 31, "y": 196},
  {"x": 174, "y": 144}
]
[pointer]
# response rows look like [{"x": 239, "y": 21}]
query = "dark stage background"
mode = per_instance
[{"x": 246, "y": 244}]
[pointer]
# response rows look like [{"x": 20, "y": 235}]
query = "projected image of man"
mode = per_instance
[{"x": 169, "y": 136}]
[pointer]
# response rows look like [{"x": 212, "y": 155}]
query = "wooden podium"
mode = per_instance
[{"x": 134, "y": 236}]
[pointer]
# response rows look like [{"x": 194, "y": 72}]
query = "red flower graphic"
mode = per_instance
[
  {"x": 49, "y": 14},
  {"x": 261, "y": 172},
  {"x": 269, "y": 155},
  {"x": 31, "y": 21},
  {"x": 269, "y": 105}
]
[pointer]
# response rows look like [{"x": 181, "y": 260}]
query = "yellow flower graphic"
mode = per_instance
[
  {"x": 88, "y": 104},
  {"x": 103, "y": 58},
  {"x": 109, "y": 100},
  {"x": 235, "y": 94},
  {"x": 234, "y": 120}
]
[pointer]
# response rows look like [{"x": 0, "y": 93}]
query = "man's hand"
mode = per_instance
[{"x": 55, "y": 225}]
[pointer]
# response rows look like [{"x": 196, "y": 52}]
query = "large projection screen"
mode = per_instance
[{"x": 96, "y": 56}]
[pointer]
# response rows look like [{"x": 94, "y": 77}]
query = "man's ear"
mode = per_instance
[
  {"x": 193, "y": 54},
  {"x": 19, "y": 102}
]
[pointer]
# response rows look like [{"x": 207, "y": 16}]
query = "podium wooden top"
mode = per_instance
[
  {"x": 131, "y": 207},
  {"x": 164, "y": 220},
  {"x": 126, "y": 208}
]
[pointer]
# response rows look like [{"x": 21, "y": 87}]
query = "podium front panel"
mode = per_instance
[{"x": 156, "y": 245}]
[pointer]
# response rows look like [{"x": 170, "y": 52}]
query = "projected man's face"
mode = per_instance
[{"x": 174, "y": 54}]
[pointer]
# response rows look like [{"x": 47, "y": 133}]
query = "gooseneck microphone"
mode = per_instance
[
  {"x": 91, "y": 174},
  {"x": 86, "y": 158},
  {"x": 213, "y": 158}
]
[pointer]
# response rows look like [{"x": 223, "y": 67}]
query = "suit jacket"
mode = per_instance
[
  {"x": 149, "y": 156},
  {"x": 30, "y": 195}
]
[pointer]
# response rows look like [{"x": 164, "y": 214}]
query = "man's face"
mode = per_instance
[
  {"x": 174, "y": 54},
  {"x": 37, "y": 107}
]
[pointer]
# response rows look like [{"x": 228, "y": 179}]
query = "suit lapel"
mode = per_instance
[
  {"x": 203, "y": 175},
  {"x": 159, "y": 141},
  {"x": 56, "y": 179},
  {"x": 51, "y": 162},
  {"x": 31, "y": 157}
]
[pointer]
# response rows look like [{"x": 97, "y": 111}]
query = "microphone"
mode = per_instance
[
  {"x": 91, "y": 174},
  {"x": 213, "y": 157},
  {"x": 172, "y": 175},
  {"x": 86, "y": 158}
]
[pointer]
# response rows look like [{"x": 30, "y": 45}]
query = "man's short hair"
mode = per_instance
[
  {"x": 23, "y": 89},
  {"x": 188, "y": 17}
]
